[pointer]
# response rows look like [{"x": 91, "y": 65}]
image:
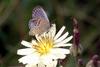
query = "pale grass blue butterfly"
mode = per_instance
[{"x": 39, "y": 22}]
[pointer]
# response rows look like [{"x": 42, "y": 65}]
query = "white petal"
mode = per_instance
[
  {"x": 62, "y": 45},
  {"x": 62, "y": 37},
  {"x": 29, "y": 59},
  {"x": 60, "y": 51},
  {"x": 49, "y": 35},
  {"x": 25, "y": 43},
  {"x": 34, "y": 42},
  {"x": 66, "y": 40},
  {"x": 37, "y": 36},
  {"x": 46, "y": 60},
  {"x": 41, "y": 64},
  {"x": 59, "y": 33},
  {"x": 52, "y": 30},
  {"x": 59, "y": 56},
  {"x": 53, "y": 64},
  {"x": 30, "y": 65},
  {"x": 25, "y": 51},
  {"x": 43, "y": 35}
]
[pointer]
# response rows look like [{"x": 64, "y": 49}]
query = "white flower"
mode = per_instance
[{"x": 46, "y": 49}]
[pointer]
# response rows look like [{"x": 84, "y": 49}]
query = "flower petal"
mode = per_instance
[
  {"x": 60, "y": 51},
  {"x": 29, "y": 59},
  {"x": 25, "y": 43},
  {"x": 37, "y": 37},
  {"x": 25, "y": 51},
  {"x": 30, "y": 65},
  {"x": 62, "y": 37},
  {"x": 52, "y": 30},
  {"x": 66, "y": 40},
  {"x": 57, "y": 55},
  {"x": 62, "y": 45},
  {"x": 60, "y": 56},
  {"x": 41, "y": 64},
  {"x": 34, "y": 42},
  {"x": 47, "y": 60},
  {"x": 59, "y": 33},
  {"x": 53, "y": 64}
]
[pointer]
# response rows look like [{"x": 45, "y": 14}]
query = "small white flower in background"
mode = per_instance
[{"x": 46, "y": 49}]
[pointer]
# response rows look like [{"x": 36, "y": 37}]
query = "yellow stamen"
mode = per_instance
[{"x": 44, "y": 45}]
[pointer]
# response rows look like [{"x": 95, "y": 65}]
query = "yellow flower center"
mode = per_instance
[{"x": 44, "y": 45}]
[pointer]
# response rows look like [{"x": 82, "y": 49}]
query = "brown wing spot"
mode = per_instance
[{"x": 38, "y": 22}]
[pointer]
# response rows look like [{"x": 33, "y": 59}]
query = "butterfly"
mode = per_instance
[{"x": 39, "y": 22}]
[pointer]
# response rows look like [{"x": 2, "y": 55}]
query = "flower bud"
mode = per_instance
[
  {"x": 73, "y": 50},
  {"x": 80, "y": 62},
  {"x": 94, "y": 62}
]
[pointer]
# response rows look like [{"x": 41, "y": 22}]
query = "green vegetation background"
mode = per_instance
[{"x": 15, "y": 15}]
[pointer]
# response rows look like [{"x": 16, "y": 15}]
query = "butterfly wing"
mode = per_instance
[
  {"x": 39, "y": 22},
  {"x": 33, "y": 22},
  {"x": 39, "y": 12}
]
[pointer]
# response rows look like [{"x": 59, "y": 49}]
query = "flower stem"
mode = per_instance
[{"x": 76, "y": 39}]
